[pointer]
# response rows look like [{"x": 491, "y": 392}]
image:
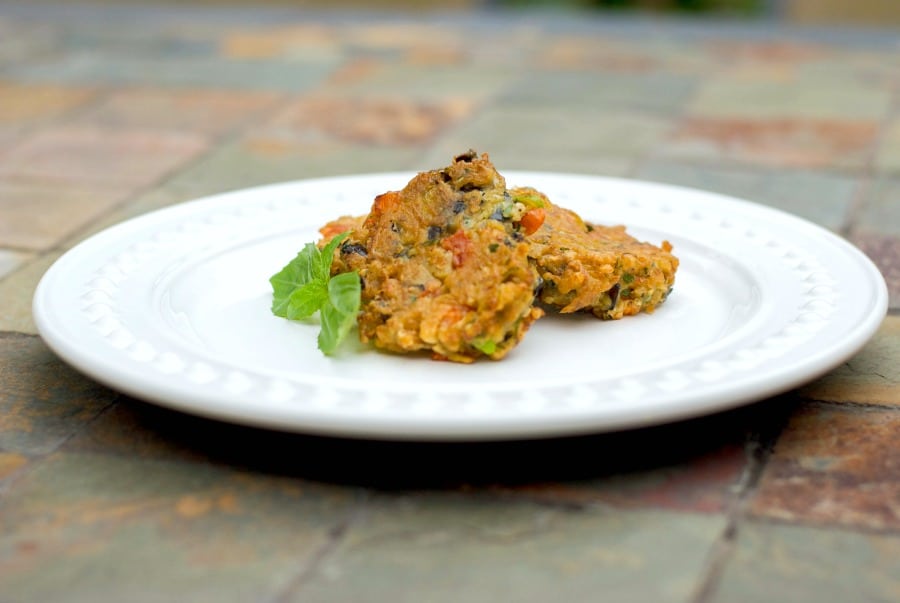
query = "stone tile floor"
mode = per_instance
[{"x": 107, "y": 112}]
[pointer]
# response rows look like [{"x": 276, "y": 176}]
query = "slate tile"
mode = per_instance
[
  {"x": 557, "y": 91},
  {"x": 10, "y": 260},
  {"x": 887, "y": 159},
  {"x": 783, "y": 95},
  {"x": 30, "y": 104},
  {"x": 778, "y": 51},
  {"x": 880, "y": 211},
  {"x": 157, "y": 198},
  {"x": 704, "y": 484},
  {"x": 289, "y": 40},
  {"x": 834, "y": 465},
  {"x": 417, "y": 82},
  {"x": 796, "y": 563},
  {"x": 17, "y": 292},
  {"x": 449, "y": 548},
  {"x": 122, "y": 159},
  {"x": 779, "y": 143},
  {"x": 571, "y": 140},
  {"x": 822, "y": 197},
  {"x": 870, "y": 377},
  {"x": 87, "y": 527},
  {"x": 210, "y": 112},
  {"x": 266, "y": 157},
  {"x": 585, "y": 52},
  {"x": 38, "y": 216},
  {"x": 884, "y": 250},
  {"x": 10, "y": 463},
  {"x": 98, "y": 68},
  {"x": 21, "y": 40},
  {"x": 368, "y": 120},
  {"x": 43, "y": 401}
]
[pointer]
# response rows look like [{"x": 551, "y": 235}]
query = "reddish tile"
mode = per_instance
[
  {"x": 777, "y": 142},
  {"x": 371, "y": 121},
  {"x": 870, "y": 377},
  {"x": 292, "y": 40},
  {"x": 202, "y": 111},
  {"x": 589, "y": 53},
  {"x": 354, "y": 70},
  {"x": 771, "y": 51},
  {"x": 123, "y": 158},
  {"x": 403, "y": 35},
  {"x": 10, "y": 462},
  {"x": 430, "y": 55},
  {"x": 25, "y": 104},
  {"x": 884, "y": 250},
  {"x": 834, "y": 465},
  {"x": 39, "y": 216}
]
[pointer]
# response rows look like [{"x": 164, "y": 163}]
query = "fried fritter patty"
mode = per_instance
[
  {"x": 601, "y": 269},
  {"x": 443, "y": 264}
]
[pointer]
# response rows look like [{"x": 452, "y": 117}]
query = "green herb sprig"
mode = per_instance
[{"x": 305, "y": 286}]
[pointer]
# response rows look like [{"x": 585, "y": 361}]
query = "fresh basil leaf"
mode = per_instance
[
  {"x": 296, "y": 274},
  {"x": 305, "y": 301},
  {"x": 344, "y": 292},
  {"x": 339, "y": 312}
]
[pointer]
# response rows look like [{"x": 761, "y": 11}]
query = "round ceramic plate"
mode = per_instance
[{"x": 173, "y": 307}]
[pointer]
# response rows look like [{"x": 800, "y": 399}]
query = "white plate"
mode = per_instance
[{"x": 173, "y": 307}]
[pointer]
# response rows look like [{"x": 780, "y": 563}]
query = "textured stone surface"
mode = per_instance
[
  {"x": 870, "y": 377},
  {"x": 368, "y": 121},
  {"x": 26, "y": 105},
  {"x": 266, "y": 158},
  {"x": 781, "y": 94},
  {"x": 80, "y": 527},
  {"x": 211, "y": 112},
  {"x": 888, "y": 158},
  {"x": 11, "y": 260},
  {"x": 884, "y": 250},
  {"x": 42, "y": 401},
  {"x": 793, "y": 563},
  {"x": 111, "y": 111},
  {"x": 17, "y": 292},
  {"x": 38, "y": 216},
  {"x": 792, "y": 143},
  {"x": 189, "y": 71},
  {"x": 111, "y": 158},
  {"x": 822, "y": 197},
  {"x": 654, "y": 91},
  {"x": 880, "y": 213},
  {"x": 834, "y": 466},
  {"x": 571, "y": 140},
  {"x": 448, "y": 548}
]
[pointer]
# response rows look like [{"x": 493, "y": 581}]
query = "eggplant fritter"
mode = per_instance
[
  {"x": 601, "y": 269},
  {"x": 452, "y": 264},
  {"x": 444, "y": 265}
]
